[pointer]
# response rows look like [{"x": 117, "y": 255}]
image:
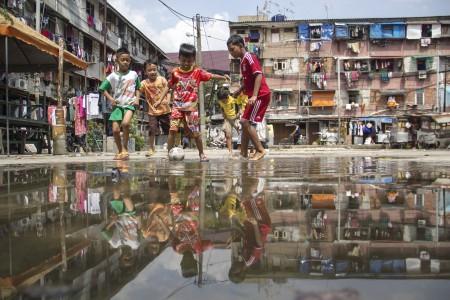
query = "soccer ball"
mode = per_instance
[{"x": 176, "y": 153}]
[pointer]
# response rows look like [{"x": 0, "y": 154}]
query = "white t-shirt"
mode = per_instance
[{"x": 123, "y": 87}]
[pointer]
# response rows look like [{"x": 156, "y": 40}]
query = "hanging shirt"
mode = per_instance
[
  {"x": 185, "y": 86},
  {"x": 152, "y": 91},
  {"x": 250, "y": 68},
  {"x": 93, "y": 104},
  {"x": 123, "y": 87}
]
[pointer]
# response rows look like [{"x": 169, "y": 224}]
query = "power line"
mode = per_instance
[
  {"x": 177, "y": 14},
  {"x": 209, "y": 48},
  {"x": 174, "y": 11},
  {"x": 216, "y": 19}
]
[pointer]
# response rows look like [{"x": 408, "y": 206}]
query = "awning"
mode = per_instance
[
  {"x": 387, "y": 120},
  {"x": 323, "y": 201},
  {"x": 392, "y": 92},
  {"x": 323, "y": 98},
  {"x": 29, "y": 50},
  {"x": 442, "y": 119}
]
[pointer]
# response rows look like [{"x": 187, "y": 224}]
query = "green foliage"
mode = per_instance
[{"x": 136, "y": 134}]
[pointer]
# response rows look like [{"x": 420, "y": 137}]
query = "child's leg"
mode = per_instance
[
  {"x": 116, "y": 134},
  {"x": 126, "y": 128},
  {"x": 245, "y": 138},
  {"x": 171, "y": 139}
]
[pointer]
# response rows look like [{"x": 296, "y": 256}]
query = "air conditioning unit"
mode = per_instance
[
  {"x": 22, "y": 84},
  {"x": 422, "y": 75}
]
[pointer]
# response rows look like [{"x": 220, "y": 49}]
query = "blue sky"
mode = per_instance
[{"x": 167, "y": 31}]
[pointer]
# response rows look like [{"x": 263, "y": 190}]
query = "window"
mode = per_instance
[
  {"x": 421, "y": 64},
  {"x": 426, "y": 30},
  {"x": 388, "y": 30},
  {"x": 240, "y": 31},
  {"x": 275, "y": 35},
  {"x": 279, "y": 64},
  {"x": 253, "y": 36},
  {"x": 288, "y": 30},
  {"x": 353, "y": 97},
  {"x": 420, "y": 99},
  {"x": 356, "y": 31},
  {"x": 280, "y": 100},
  {"x": 90, "y": 8},
  {"x": 419, "y": 200},
  {"x": 315, "y": 32}
]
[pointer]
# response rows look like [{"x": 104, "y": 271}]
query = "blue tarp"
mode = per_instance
[
  {"x": 303, "y": 32},
  {"x": 327, "y": 32},
  {"x": 393, "y": 30},
  {"x": 341, "y": 31}
]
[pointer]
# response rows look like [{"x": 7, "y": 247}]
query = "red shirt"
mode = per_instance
[
  {"x": 185, "y": 86},
  {"x": 250, "y": 67}
]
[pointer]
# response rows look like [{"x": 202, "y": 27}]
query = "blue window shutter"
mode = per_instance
[
  {"x": 327, "y": 32},
  {"x": 341, "y": 31},
  {"x": 375, "y": 31},
  {"x": 303, "y": 32},
  {"x": 399, "y": 31}
]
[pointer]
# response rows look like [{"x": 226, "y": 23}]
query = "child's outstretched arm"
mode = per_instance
[{"x": 221, "y": 77}]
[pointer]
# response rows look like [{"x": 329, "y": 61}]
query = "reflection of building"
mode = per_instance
[
  {"x": 387, "y": 67},
  {"x": 357, "y": 227}
]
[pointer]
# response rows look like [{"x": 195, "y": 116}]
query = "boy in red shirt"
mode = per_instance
[
  {"x": 185, "y": 81},
  {"x": 255, "y": 87}
]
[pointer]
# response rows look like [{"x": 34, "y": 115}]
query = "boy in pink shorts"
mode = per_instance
[{"x": 255, "y": 87}]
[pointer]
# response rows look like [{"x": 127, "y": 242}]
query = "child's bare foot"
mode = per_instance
[
  {"x": 203, "y": 158},
  {"x": 258, "y": 156}
]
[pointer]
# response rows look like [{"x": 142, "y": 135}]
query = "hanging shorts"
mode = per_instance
[
  {"x": 119, "y": 112},
  {"x": 255, "y": 112}
]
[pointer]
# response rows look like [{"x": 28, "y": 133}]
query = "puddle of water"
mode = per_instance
[{"x": 283, "y": 228}]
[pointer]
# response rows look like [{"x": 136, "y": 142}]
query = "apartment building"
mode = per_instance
[
  {"x": 323, "y": 73},
  {"x": 82, "y": 26}
]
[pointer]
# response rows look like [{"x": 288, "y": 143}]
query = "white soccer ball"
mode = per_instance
[{"x": 176, "y": 153}]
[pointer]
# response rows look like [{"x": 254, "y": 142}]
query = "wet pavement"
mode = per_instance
[{"x": 283, "y": 228}]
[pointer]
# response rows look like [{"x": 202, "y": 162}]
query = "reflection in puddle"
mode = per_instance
[{"x": 236, "y": 230}]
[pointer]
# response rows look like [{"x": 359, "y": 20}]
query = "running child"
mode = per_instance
[{"x": 124, "y": 87}]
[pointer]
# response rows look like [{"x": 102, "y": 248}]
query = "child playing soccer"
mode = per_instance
[
  {"x": 228, "y": 106},
  {"x": 155, "y": 89},
  {"x": 124, "y": 86},
  {"x": 185, "y": 81},
  {"x": 255, "y": 87}
]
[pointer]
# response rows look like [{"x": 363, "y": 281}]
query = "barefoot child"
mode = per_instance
[
  {"x": 255, "y": 87},
  {"x": 155, "y": 90},
  {"x": 185, "y": 81},
  {"x": 124, "y": 86},
  {"x": 228, "y": 106}
]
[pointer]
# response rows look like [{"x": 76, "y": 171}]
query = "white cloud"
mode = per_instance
[{"x": 170, "y": 38}]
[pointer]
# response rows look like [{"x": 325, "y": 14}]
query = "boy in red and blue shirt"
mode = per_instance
[{"x": 255, "y": 87}]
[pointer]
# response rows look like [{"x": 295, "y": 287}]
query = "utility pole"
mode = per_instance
[
  {"x": 445, "y": 86},
  {"x": 339, "y": 99},
  {"x": 59, "y": 129},
  {"x": 200, "y": 90},
  {"x": 38, "y": 16},
  {"x": 105, "y": 61},
  {"x": 37, "y": 78}
]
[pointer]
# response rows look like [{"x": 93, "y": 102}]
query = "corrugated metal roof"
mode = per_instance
[
  {"x": 348, "y": 20},
  {"x": 211, "y": 60}
]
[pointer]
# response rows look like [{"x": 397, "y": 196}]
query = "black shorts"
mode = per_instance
[{"x": 155, "y": 122}]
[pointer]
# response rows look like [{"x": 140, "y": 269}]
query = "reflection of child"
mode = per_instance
[{"x": 253, "y": 233}]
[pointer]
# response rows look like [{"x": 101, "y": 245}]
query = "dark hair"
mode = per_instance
[
  {"x": 150, "y": 62},
  {"x": 223, "y": 93},
  {"x": 188, "y": 265},
  {"x": 236, "y": 39},
  {"x": 121, "y": 51},
  {"x": 187, "y": 50},
  {"x": 237, "y": 272}
]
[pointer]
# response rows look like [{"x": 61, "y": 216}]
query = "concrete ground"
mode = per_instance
[{"x": 221, "y": 154}]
